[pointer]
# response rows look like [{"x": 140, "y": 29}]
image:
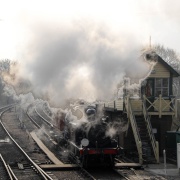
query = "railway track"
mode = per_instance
[
  {"x": 90, "y": 174},
  {"x": 79, "y": 173},
  {"x": 128, "y": 174},
  {"x": 40, "y": 114},
  {"x": 48, "y": 128},
  {"x": 46, "y": 119},
  {"x": 5, "y": 170},
  {"x": 50, "y": 134},
  {"x": 17, "y": 159}
]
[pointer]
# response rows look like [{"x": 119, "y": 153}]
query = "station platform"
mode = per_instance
[
  {"x": 50, "y": 155},
  {"x": 160, "y": 169},
  {"x": 57, "y": 163}
]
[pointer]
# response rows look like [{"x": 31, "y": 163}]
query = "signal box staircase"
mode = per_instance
[
  {"x": 147, "y": 149},
  {"x": 147, "y": 146}
]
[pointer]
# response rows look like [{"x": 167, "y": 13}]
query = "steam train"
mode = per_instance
[{"x": 91, "y": 141}]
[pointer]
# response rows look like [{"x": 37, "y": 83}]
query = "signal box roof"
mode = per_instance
[{"x": 155, "y": 57}]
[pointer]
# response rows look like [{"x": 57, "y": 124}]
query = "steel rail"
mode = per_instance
[
  {"x": 51, "y": 125},
  {"x": 47, "y": 122},
  {"x": 43, "y": 174},
  {"x": 6, "y": 167},
  {"x": 47, "y": 114},
  {"x": 14, "y": 176},
  {"x": 38, "y": 126},
  {"x": 34, "y": 122}
]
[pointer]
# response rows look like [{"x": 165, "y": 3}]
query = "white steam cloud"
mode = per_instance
[{"x": 84, "y": 61}]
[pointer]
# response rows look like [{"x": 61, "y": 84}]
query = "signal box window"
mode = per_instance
[
  {"x": 162, "y": 87},
  {"x": 149, "y": 88}
]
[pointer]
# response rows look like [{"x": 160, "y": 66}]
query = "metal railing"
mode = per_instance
[{"x": 155, "y": 144}]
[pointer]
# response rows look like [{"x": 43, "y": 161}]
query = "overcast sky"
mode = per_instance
[
  {"x": 79, "y": 41},
  {"x": 138, "y": 18}
]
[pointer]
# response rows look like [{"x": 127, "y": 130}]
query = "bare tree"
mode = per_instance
[{"x": 169, "y": 55}]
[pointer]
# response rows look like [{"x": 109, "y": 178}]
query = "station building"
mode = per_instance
[{"x": 150, "y": 115}]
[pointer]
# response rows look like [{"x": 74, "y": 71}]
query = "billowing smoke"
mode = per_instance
[
  {"x": 116, "y": 127},
  {"x": 131, "y": 85},
  {"x": 84, "y": 61},
  {"x": 80, "y": 61}
]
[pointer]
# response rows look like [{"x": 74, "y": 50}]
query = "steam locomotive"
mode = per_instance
[{"x": 91, "y": 141}]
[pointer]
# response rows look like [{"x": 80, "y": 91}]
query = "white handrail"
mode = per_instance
[
  {"x": 134, "y": 128},
  {"x": 161, "y": 105},
  {"x": 154, "y": 143}
]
